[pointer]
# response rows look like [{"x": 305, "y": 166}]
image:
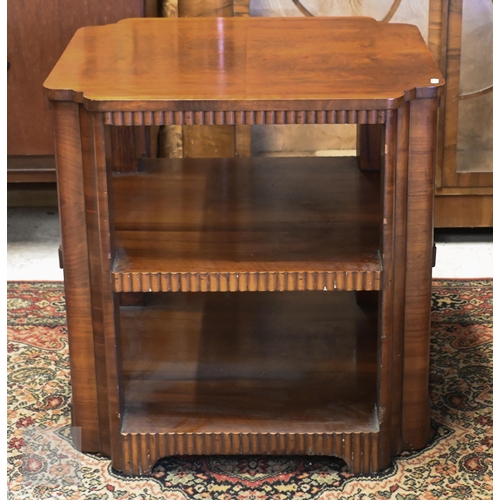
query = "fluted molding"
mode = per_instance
[
  {"x": 360, "y": 450},
  {"x": 147, "y": 118},
  {"x": 265, "y": 281}
]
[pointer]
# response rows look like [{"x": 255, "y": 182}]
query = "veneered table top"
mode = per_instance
[{"x": 244, "y": 63}]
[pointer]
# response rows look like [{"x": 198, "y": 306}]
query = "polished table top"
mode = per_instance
[{"x": 244, "y": 63}]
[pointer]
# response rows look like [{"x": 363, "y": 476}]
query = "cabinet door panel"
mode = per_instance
[
  {"x": 475, "y": 100},
  {"x": 475, "y": 134},
  {"x": 468, "y": 133}
]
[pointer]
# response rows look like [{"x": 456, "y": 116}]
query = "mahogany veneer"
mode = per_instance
[{"x": 235, "y": 366}]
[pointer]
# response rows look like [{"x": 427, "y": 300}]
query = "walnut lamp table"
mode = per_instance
[{"x": 248, "y": 305}]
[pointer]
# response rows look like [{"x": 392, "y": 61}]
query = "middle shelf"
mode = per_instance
[{"x": 252, "y": 224}]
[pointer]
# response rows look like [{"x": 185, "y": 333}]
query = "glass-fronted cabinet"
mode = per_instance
[{"x": 463, "y": 32}]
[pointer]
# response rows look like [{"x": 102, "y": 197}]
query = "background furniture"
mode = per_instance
[
  {"x": 210, "y": 358},
  {"x": 461, "y": 40},
  {"x": 37, "y": 33}
]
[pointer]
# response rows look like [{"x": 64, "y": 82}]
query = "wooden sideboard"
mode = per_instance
[
  {"x": 248, "y": 305},
  {"x": 37, "y": 33}
]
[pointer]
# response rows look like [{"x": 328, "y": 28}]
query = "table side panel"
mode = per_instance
[
  {"x": 387, "y": 301},
  {"x": 95, "y": 267},
  {"x": 110, "y": 317},
  {"x": 401, "y": 213}
]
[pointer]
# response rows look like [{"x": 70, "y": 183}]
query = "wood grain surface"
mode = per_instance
[
  {"x": 76, "y": 256},
  {"x": 419, "y": 245},
  {"x": 242, "y": 61}
]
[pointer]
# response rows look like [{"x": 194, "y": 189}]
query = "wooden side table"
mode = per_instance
[{"x": 215, "y": 360}]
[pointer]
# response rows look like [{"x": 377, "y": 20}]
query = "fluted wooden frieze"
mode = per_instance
[
  {"x": 139, "y": 118},
  {"x": 246, "y": 281},
  {"x": 359, "y": 449}
]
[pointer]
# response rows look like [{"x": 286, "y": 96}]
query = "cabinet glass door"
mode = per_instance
[{"x": 475, "y": 99}]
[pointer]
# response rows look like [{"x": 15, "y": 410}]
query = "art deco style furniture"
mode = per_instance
[{"x": 248, "y": 305}]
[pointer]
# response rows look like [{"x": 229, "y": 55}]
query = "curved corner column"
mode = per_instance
[{"x": 70, "y": 186}]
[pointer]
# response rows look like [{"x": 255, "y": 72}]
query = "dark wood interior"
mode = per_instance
[
  {"x": 260, "y": 215},
  {"x": 250, "y": 362}
]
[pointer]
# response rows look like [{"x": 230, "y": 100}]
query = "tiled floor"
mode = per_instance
[{"x": 33, "y": 239}]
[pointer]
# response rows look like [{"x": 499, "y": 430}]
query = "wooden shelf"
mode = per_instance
[
  {"x": 229, "y": 373},
  {"x": 261, "y": 224}
]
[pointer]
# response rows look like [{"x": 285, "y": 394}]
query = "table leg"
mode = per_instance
[{"x": 70, "y": 184}]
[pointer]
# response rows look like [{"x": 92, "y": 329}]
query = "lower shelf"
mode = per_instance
[{"x": 250, "y": 373}]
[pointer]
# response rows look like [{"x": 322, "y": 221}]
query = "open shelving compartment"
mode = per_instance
[{"x": 288, "y": 364}]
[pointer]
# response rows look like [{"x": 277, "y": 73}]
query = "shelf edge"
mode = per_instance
[{"x": 264, "y": 281}]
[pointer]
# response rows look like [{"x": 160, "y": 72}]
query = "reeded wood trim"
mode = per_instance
[
  {"x": 246, "y": 281},
  {"x": 360, "y": 450},
  {"x": 280, "y": 117}
]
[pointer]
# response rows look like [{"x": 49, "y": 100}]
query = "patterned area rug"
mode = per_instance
[{"x": 457, "y": 464}]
